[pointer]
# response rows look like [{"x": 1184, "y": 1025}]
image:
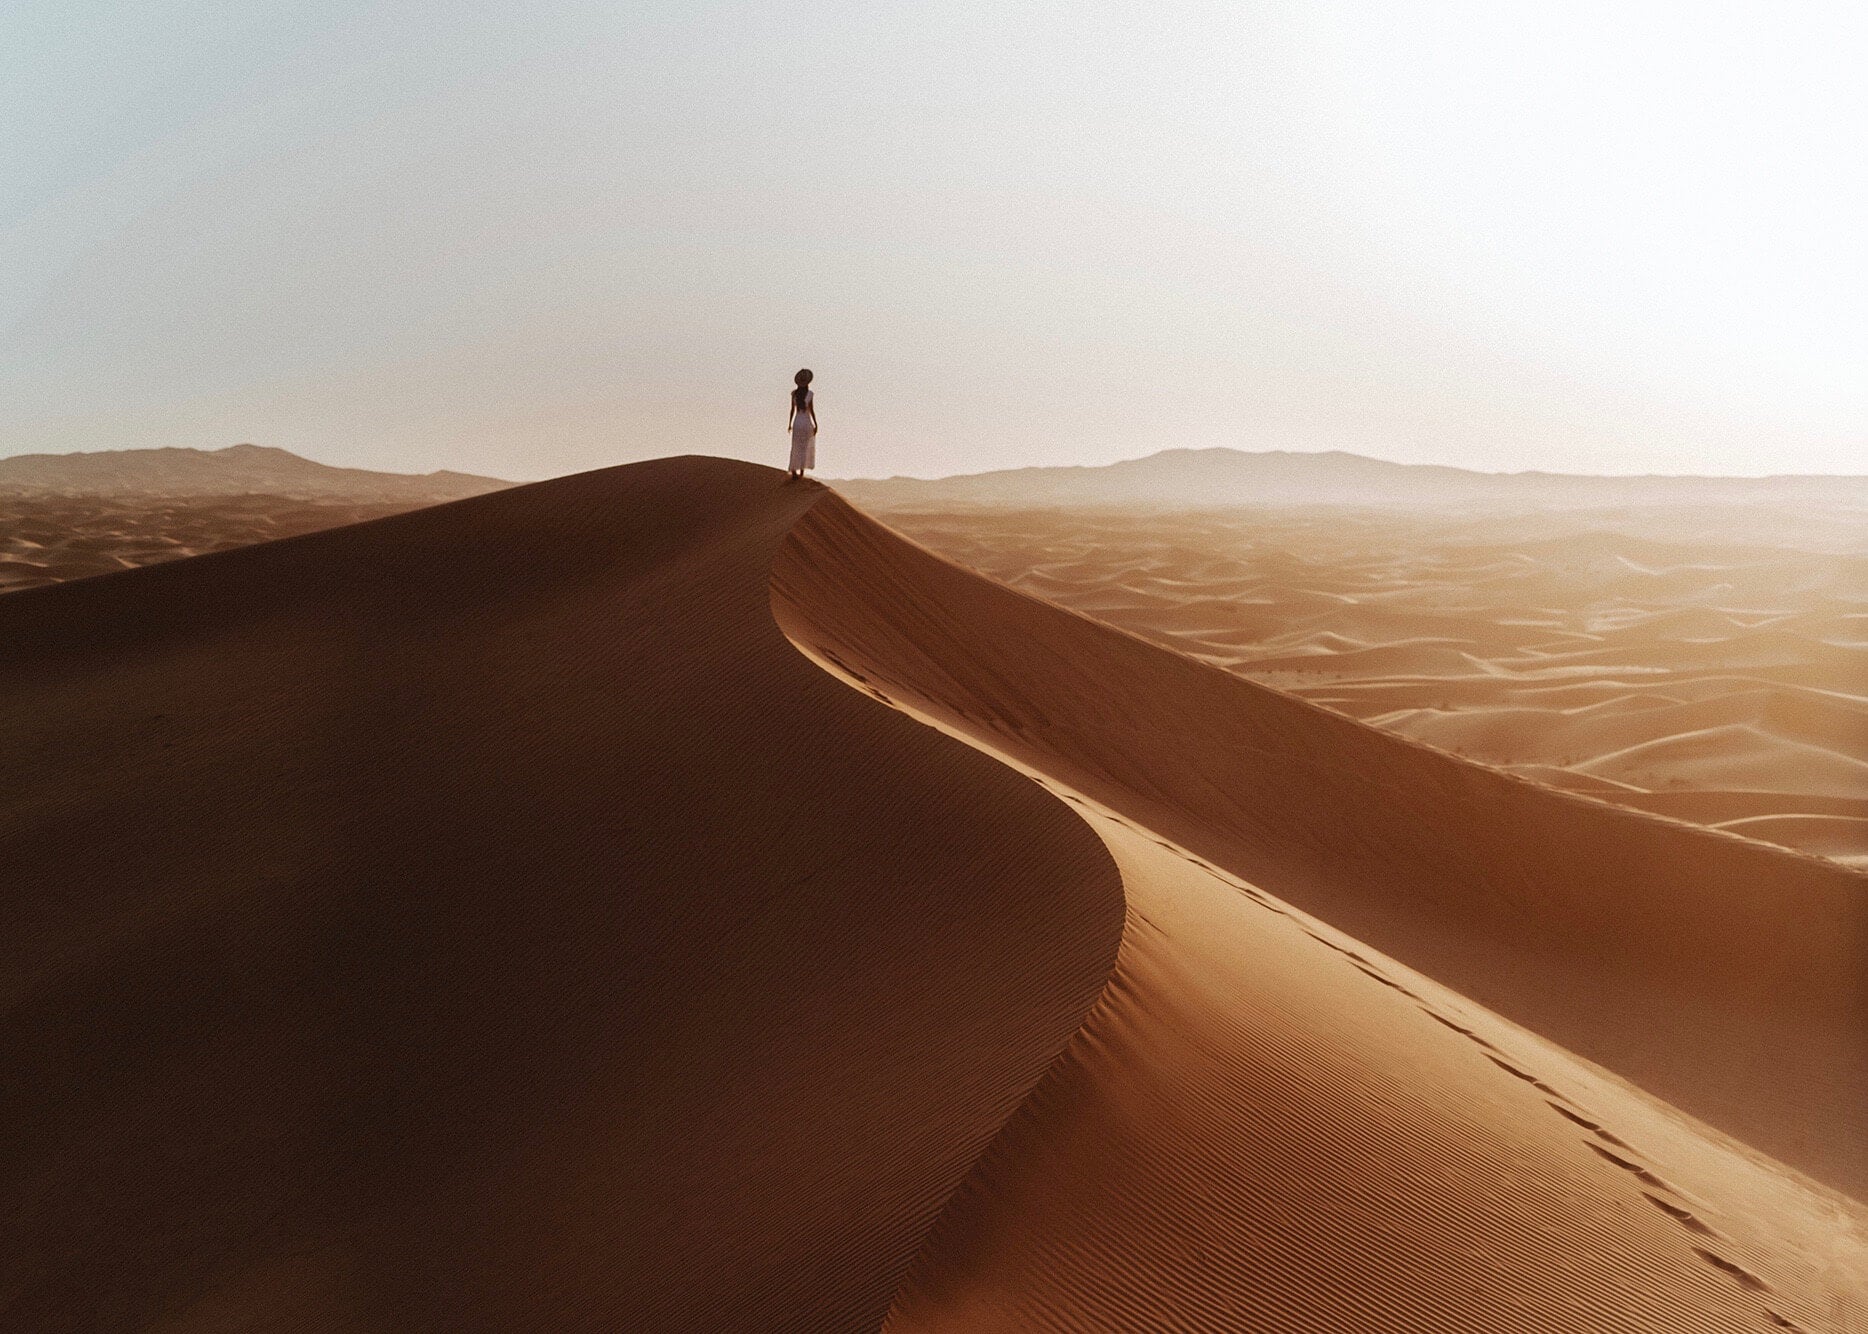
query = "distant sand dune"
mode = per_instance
[
  {"x": 1738, "y": 757},
  {"x": 1593, "y": 659},
  {"x": 54, "y": 538},
  {"x": 1839, "y": 836},
  {"x": 1268, "y": 1124},
  {"x": 484, "y": 919}
]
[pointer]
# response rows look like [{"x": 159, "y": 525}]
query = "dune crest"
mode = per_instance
[
  {"x": 1727, "y": 976},
  {"x": 1268, "y": 1123},
  {"x": 1676, "y": 661},
  {"x": 733, "y": 916},
  {"x": 410, "y": 935}
]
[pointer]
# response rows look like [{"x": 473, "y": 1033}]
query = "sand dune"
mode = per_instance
[
  {"x": 484, "y": 918},
  {"x": 1838, "y": 836},
  {"x": 1267, "y": 1123},
  {"x": 1592, "y": 658},
  {"x": 407, "y": 935},
  {"x": 49, "y": 539},
  {"x": 1180, "y": 478},
  {"x": 235, "y": 471},
  {"x": 72, "y": 516}
]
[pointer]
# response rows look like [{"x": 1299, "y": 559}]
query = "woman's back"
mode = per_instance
[{"x": 803, "y": 426}]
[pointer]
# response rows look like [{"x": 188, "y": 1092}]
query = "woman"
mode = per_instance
[{"x": 803, "y": 427}]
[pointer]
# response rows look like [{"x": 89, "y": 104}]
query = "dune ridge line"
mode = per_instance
[
  {"x": 1236, "y": 1217},
  {"x": 1656, "y": 948},
  {"x": 485, "y": 919}
]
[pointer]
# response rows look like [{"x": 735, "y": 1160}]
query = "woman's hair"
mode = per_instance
[{"x": 803, "y": 380}]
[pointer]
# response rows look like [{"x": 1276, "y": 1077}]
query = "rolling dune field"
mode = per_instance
[
  {"x": 1699, "y": 666},
  {"x": 667, "y": 898},
  {"x": 48, "y": 539},
  {"x": 71, "y": 516}
]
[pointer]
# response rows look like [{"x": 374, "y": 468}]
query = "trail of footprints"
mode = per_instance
[
  {"x": 1658, "y": 1188},
  {"x": 1660, "y": 1193},
  {"x": 869, "y": 687}
]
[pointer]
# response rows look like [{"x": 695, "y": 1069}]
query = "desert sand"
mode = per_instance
[
  {"x": 1669, "y": 661},
  {"x": 72, "y": 516},
  {"x": 669, "y": 899},
  {"x": 1181, "y": 479},
  {"x": 48, "y": 539},
  {"x": 237, "y": 470}
]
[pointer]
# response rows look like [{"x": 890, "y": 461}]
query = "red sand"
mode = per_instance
[
  {"x": 409, "y": 936},
  {"x": 1666, "y": 660},
  {"x": 484, "y": 919}
]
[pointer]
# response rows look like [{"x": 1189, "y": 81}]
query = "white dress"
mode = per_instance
[{"x": 803, "y": 438}]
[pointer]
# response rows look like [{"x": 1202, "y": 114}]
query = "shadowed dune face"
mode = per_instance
[
  {"x": 1267, "y": 1123},
  {"x": 408, "y": 935},
  {"x": 1672, "y": 663},
  {"x": 1727, "y": 976},
  {"x": 412, "y": 937}
]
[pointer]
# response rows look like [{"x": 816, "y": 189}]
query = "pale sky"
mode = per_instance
[{"x": 529, "y": 239}]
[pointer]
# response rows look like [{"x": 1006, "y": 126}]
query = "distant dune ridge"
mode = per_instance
[
  {"x": 1661, "y": 664},
  {"x": 1199, "y": 478},
  {"x": 669, "y": 899},
  {"x": 72, "y": 516},
  {"x": 234, "y": 470}
]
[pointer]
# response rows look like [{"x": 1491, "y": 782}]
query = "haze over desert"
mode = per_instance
[
  {"x": 1705, "y": 663},
  {"x": 669, "y": 898},
  {"x": 1053, "y": 667}
]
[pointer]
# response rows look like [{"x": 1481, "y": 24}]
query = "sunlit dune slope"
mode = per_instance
[
  {"x": 1729, "y": 977},
  {"x": 1691, "y": 661},
  {"x": 1267, "y": 1124},
  {"x": 483, "y": 919}
]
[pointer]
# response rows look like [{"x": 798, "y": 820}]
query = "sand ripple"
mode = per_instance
[{"x": 1721, "y": 683}]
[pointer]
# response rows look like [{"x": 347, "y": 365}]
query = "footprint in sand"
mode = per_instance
[
  {"x": 1385, "y": 981},
  {"x": 1525, "y": 1075},
  {"x": 1686, "y": 1218},
  {"x": 1592, "y": 1127},
  {"x": 1329, "y": 944},
  {"x": 1639, "y": 1172},
  {"x": 1251, "y": 893},
  {"x": 1362, "y": 965},
  {"x": 1466, "y": 1033},
  {"x": 841, "y": 665},
  {"x": 1742, "y": 1276}
]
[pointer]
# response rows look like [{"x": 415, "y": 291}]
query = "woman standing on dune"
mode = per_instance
[{"x": 803, "y": 427}]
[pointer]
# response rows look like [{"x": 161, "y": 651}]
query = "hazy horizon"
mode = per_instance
[
  {"x": 1610, "y": 239},
  {"x": 1139, "y": 458}
]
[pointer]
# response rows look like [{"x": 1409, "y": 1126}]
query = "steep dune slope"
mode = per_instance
[
  {"x": 1623, "y": 653},
  {"x": 1267, "y": 1124},
  {"x": 483, "y": 919},
  {"x": 1727, "y": 976}
]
